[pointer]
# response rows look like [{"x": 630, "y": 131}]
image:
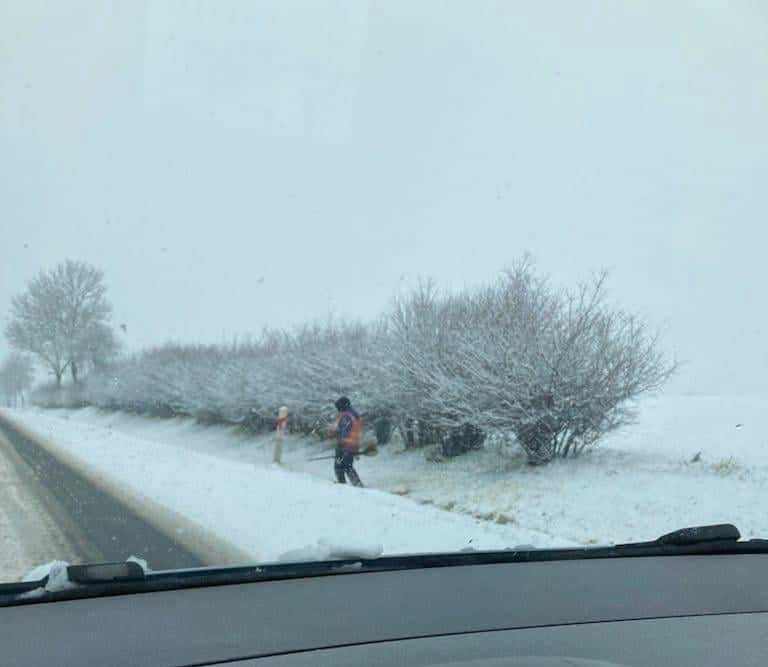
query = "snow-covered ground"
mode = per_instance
[
  {"x": 638, "y": 484},
  {"x": 259, "y": 508}
]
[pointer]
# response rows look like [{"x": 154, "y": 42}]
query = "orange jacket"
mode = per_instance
[{"x": 349, "y": 427}]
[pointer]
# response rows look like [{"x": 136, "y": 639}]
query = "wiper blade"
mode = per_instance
[
  {"x": 74, "y": 577},
  {"x": 104, "y": 573},
  {"x": 721, "y": 532},
  {"x": 700, "y": 534}
]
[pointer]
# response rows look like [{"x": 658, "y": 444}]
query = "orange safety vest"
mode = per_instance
[{"x": 352, "y": 441}]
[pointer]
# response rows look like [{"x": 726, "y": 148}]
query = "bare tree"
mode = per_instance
[
  {"x": 37, "y": 326},
  {"x": 62, "y": 318},
  {"x": 95, "y": 348},
  {"x": 16, "y": 377}
]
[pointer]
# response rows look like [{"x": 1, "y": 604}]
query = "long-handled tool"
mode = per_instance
[{"x": 368, "y": 450}]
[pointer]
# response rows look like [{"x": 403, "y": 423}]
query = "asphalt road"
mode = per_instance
[
  {"x": 28, "y": 534},
  {"x": 56, "y": 509}
]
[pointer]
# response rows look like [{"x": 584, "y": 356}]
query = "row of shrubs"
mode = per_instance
[{"x": 551, "y": 370}]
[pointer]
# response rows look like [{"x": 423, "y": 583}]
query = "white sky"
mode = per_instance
[{"x": 339, "y": 149}]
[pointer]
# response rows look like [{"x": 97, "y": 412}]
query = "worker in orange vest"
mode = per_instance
[{"x": 347, "y": 429}]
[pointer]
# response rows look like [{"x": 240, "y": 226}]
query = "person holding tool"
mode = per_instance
[{"x": 347, "y": 430}]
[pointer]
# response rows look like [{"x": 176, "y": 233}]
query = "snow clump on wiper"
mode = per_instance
[
  {"x": 58, "y": 579},
  {"x": 324, "y": 550}
]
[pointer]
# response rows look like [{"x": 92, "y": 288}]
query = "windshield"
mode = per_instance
[{"x": 288, "y": 281}]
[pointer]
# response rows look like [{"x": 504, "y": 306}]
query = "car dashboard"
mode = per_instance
[{"x": 670, "y": 610}]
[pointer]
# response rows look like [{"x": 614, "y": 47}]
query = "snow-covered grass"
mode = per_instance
[
  {"x": 259, "y": 508},
  {"x": 639, "y": 483}
]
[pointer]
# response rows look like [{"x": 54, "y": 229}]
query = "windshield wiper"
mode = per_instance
[
  {"x": 103, "y": 573},
  {"x": 74, "y": 577},
  {"x": 120, "y": 578},
  {"x": 721, "y": 532}
]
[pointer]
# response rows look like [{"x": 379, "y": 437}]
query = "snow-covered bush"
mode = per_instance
[
  {"x": 16, "y": 378},
  {"x": 305, "y": 370},
  {"x": 558, "y": 368},
  {"x": 51, "y": 396},
  {"x": 555, "y": 368}
]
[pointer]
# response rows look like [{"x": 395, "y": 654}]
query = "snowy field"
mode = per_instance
[{"x": 638, "y": 484}]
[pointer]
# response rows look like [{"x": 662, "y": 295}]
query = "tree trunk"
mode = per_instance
[
  {"x": 409, "y": 437},
  {"x": 73, "y": 369},
  {"x": 403, "y": 434},
  {"x": 58, "y": 373},
  {"x": 383, "y": 431}
]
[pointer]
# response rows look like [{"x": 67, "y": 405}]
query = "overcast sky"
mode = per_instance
[{"x": 231, "y": 165}]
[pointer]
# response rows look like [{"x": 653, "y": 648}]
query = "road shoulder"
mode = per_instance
[{"x": 29, "y": 534}]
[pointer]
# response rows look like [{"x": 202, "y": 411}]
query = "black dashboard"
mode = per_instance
[{"x": 675, "y": 610}]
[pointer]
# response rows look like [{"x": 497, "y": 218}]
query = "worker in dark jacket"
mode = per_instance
[{"x": 347, "y": 429}]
